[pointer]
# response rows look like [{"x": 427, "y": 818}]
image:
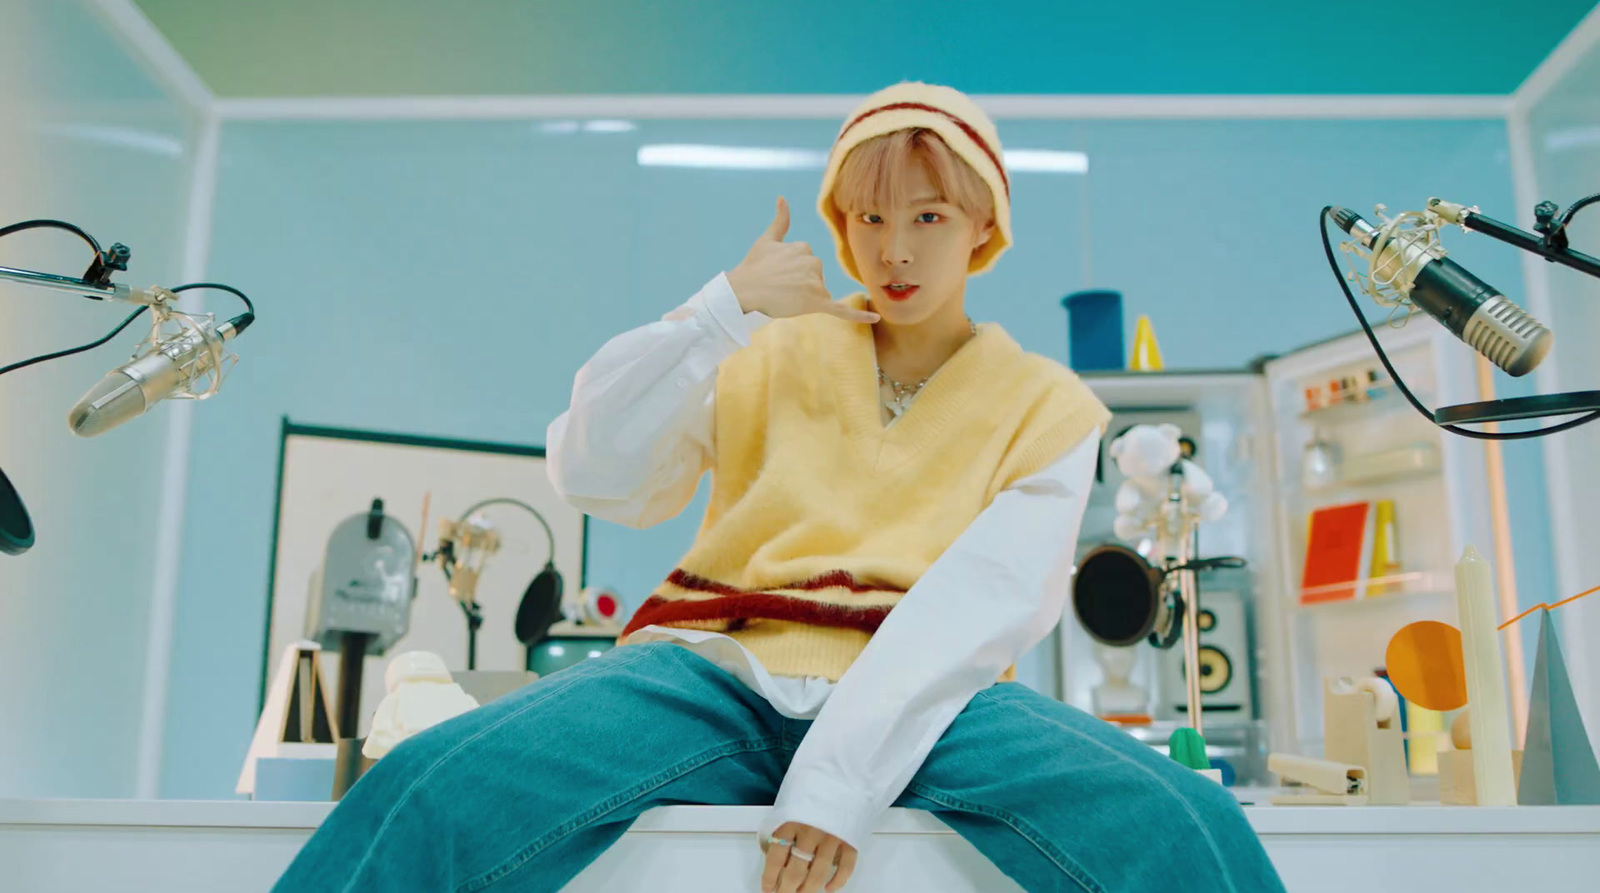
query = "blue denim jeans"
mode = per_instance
[{"x": 522, "y": 793}]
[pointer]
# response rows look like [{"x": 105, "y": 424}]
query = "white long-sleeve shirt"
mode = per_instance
[{"x": 632, "y": 448}]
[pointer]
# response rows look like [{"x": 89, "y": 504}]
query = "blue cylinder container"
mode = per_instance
[{"x": 1094, "y": 330}]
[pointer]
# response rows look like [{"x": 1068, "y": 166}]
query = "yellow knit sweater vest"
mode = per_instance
[{"x": 821, "y": 517}]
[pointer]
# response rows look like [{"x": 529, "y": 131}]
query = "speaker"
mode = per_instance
[{"x": 1227, "y": 669}]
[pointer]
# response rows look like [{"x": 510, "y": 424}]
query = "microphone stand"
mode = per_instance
[
  {"x": 1179, "y": 544},
  {"x": 16, "y": 528},
  {"x": 449, "y": 559},
  {"x": 96, "y": 291},
  {"x": 1552, "y": 246}
]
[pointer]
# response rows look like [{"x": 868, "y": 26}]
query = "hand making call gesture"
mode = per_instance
[{"x": 781, "y": 279}]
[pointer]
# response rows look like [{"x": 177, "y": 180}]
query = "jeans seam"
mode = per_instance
[
  {"x": 1066, "y": 863},
  {"x": 445, "y": 757},
  {"x": 613, "y": 803},
  {"x": 1204, "y": 829}
]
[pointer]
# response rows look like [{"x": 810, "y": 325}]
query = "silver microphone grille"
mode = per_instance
[
  {"x": 1508, "y": 336},
  {"x": 116, "y": 399}
]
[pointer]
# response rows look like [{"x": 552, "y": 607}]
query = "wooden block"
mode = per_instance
[
  {"x": 1457, "y": 786},
  {"x": 1361, "y": 727}
]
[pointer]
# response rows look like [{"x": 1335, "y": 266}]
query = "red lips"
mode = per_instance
[{"x": 899, "y": 294}]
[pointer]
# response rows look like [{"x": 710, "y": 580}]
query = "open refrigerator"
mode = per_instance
[{"x": 1317, "y": 428}]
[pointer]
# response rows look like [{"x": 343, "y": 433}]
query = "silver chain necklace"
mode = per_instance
[{"x": 904, "y": 392}]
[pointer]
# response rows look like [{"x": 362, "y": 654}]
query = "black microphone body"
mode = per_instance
[
  {"x": 1470, "y": 308},
  {"x": 1450, "y": 294}
]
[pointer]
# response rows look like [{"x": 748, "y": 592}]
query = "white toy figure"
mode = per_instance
[
  {"x": 421, "y": 694},
  {"x": 1146, "y": 454}
]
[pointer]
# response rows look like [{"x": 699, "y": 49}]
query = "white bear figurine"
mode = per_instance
[
  {"x": 421, "y": 694},
  {"x": 1146, "y": 454}
]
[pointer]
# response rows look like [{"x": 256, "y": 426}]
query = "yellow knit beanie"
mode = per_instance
[{"x": 963, "y": 127}]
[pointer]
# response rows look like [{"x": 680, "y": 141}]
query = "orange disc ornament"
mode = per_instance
[{"x": 1425, "y": 664}]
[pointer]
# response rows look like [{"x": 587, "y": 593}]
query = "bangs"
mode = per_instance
[{"x": 873, "y": 176}]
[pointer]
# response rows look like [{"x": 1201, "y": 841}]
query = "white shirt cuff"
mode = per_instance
[
  {"x": 825, "y": 803},
  {"x": 724, "y": 307}
]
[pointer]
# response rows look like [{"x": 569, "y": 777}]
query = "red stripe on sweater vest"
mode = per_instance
[
  {"x": 965, "y": 128},
  {"x": 830, "y": 580},
  {"x": 754, "y": 606}
]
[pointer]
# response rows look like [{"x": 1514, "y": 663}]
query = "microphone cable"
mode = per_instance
[
  {"x": 1327, "y": 247},
  {"x": 100, "y": 254}
]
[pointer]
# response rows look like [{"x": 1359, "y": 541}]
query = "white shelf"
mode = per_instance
[
  {"x": 1408, "y": 463},
  {"x": 1402, "y": 586},
  {"x": 1357, "y": 604},
  {"x": 1355, "y": 410}
]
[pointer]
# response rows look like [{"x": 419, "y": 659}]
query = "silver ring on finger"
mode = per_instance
[{"x": 802, "y": 856}]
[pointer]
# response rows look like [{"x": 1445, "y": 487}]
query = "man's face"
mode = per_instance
[{"x": 914, "y": 258}]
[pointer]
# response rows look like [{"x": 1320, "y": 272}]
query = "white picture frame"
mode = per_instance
[{"x": 326, "y": 475}]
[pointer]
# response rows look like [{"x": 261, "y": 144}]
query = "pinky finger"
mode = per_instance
[
  {"x": 850, "y": 314},
  {"x": 847, "y": 865}
]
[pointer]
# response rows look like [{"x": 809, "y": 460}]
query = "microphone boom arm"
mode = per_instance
[
  {"x": 1552, "y": 247},
  {"x": 16, "y": 527},
  {"x": 108, "y": 291}
]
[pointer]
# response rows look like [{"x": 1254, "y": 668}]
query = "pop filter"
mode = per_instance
[
  {"x": 1116, "y": 595},
  {"x": 541, "y": 606},
  {"x": 16, "y": 529},
  {"x": 1120, "y": 598}
]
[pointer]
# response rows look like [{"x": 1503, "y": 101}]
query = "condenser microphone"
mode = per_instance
[
  {"x": 172, "y": 366},
  {"x": 1470, "y": 308}
]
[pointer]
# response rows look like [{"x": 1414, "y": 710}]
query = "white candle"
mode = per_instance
[{"x": 1486, "y": 682}]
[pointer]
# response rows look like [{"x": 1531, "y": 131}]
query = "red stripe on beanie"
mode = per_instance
[{"x": 965, "y": 128}]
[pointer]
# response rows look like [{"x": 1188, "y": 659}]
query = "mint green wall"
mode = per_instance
[{"x": 87, "y": 137}]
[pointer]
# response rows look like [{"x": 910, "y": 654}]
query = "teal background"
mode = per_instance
[{"x": 428, "y": 47}]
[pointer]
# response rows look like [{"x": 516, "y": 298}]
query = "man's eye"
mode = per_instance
[
  {"x": 928, "y": 217},
  {"x": 871, "y": 218}
]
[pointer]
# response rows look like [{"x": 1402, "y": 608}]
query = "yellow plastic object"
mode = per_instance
[
  {"x": 1384, "y": 561},
  {"x": 1146, "y": 352},
  {"x": 1424, "y": 728},
  {"x": 1425, "y": 663}
]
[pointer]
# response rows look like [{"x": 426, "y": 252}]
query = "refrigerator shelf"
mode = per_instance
[{"x": 1414, "y": 462}]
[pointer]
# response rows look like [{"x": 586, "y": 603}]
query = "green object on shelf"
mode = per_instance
[
  {"x": 559, "y": 652},
  {"x": 1188, "y": 749}
]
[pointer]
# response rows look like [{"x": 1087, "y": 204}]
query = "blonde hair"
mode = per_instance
[{"x": 873, "y": 175}]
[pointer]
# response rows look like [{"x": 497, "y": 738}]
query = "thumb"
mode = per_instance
[{"x": 780, "y": 222}]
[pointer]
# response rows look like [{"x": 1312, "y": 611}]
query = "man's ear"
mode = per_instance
[{"x": 984, "y": 234}]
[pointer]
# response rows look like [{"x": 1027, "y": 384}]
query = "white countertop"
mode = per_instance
[{"x": 1267, "y": 820}]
